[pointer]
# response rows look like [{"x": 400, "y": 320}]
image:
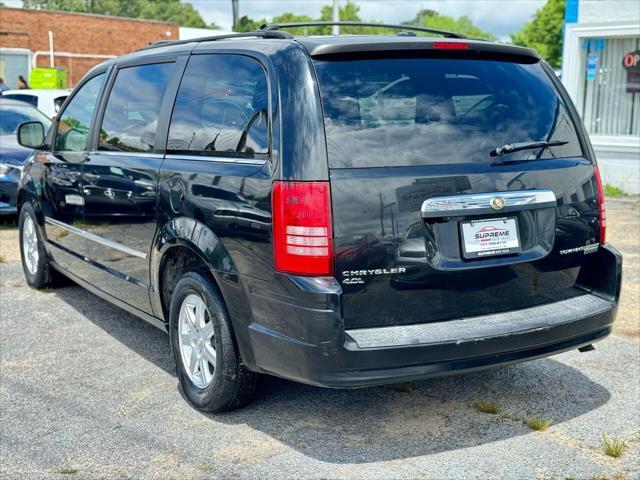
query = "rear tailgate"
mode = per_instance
[{"x": 429, "y": 226}]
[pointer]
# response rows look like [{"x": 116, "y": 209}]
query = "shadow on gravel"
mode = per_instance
[
  {"x": 378, "y": 423},
  {"x": 146, "y": 340},
  {"x": 385, "y": 423}
]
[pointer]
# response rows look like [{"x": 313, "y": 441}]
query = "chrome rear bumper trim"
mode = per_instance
[{"x": 481, "y": 327}]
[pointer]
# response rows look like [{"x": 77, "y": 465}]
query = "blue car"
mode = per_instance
[{"x": 13, "y": 155}]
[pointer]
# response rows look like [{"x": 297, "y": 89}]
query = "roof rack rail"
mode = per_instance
[
  {"x": 270, "y": 27},
  {"x": 260, "y": 34}
]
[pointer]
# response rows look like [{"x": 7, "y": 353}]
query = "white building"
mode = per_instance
[{"x": 601, "y": 71}]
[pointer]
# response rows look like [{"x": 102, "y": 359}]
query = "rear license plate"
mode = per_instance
[{"x": 485, "y": 238}]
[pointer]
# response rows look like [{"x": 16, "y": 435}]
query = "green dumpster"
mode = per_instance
[{"x": 48, "y": 78}]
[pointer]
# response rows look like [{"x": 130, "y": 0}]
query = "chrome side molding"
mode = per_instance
[
  {"x": 493, "y": 202},
  {"x": 96, "y": 238},
  {"x": 211, "y": 158}
]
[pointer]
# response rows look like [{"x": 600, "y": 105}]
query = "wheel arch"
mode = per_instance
[{"x": 199, "y": 249}]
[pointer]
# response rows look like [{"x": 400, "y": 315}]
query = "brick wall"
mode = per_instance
[{"x": 78, "y": 33}]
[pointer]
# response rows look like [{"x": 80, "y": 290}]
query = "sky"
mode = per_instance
[{"x": 499, "y": 17}]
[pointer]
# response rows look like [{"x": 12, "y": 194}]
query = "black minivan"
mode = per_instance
[{"x": 341, "y": 211}]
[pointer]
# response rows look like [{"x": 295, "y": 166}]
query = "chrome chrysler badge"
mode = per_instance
[{"x": 497, "y": 203}]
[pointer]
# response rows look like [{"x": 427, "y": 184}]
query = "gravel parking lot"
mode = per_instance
[{"x": 89, "y": 391}]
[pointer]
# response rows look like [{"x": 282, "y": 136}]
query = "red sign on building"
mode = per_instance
[{"x": 631, "y": 63}]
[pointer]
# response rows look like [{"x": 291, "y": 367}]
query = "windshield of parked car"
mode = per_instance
[
  {"x": 11, "y": 116},
  {"x": 420, "y": 111}
]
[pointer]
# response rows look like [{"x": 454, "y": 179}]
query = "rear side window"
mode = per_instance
[
  {"x": 32, "y": 99},
  {"x": 420, "y": 111},
  {"x": 131, "y": 115},
  {"x": 222, "y": 108}
]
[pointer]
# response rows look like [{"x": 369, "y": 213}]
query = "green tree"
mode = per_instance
[
  {"x": 544, "y": 32},
  {"x": 289, "y": 17},
  {"x": 350, "y": 11},
  {"x": 462, "y": 25},
  {"x": 165, "y": 10},
  {"x": 64, "y": 5},
  {"x": 246, "y": 24}
]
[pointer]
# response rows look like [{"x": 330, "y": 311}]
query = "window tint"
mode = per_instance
[
  {"x": 417, "y": 111},
  {"x": 131, "y": 115},
  {"x": 74, "y": 123},
  {"x": 221, "y": 107}
]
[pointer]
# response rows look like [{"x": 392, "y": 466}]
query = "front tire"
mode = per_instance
[
  {"x": 36, "y": 266},
  {"x": 207, "y": 360}
]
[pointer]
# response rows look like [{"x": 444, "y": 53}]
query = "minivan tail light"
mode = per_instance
[
  {"x": 302, "y": 228},
  {"x": 451, "y": 45},
  {"x": 602, "y": 213}
]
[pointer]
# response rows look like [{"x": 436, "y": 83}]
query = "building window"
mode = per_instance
[{"x": 608, "y": 97}]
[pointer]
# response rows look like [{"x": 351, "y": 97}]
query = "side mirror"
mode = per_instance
[{"x": 31, "y": 134}]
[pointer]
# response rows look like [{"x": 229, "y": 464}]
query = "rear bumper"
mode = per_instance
[{"x": 317, "y": 350}]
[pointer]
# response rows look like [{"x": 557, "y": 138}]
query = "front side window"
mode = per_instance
[
  {"x": 222, "y": 108},
  {"x": 73, "y": 126},
  {"x": 131, "y": 115},
  {"x": 426, "y": 111}
]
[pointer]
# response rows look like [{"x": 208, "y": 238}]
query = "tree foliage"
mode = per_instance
[
  {"x": 462, "y": 25},
  {"x": 165, "y": 10},
  {"x": 350, "y": 11},
  {"x": 544, "y": 32}
]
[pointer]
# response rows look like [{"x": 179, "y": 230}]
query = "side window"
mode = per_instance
[
  {"x": 131, "y": 115},
  {"x": 73, "y": 125},
  {"x": 32, "y": 99},
  {"x": 222, "y": 108}
]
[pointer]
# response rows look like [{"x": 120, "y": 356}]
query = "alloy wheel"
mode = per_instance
[
  {"x": 197, "y": 341},
  {"x": 30, "y": 245}
]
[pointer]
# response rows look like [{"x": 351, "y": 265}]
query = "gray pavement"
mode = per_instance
[{"x": 89, "y": 391}]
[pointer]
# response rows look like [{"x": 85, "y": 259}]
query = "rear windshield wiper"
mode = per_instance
[{"x": 517, "y": 147}]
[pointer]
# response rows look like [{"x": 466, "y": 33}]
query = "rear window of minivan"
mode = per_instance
[{"x": 421, "y": 111}]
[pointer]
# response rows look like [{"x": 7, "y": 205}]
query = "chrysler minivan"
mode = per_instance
[{"x": 342, "y": 211}]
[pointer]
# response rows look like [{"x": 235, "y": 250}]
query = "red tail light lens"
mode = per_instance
[
  {"x": 602, "y": 213},
  {"x": 302, "y": 233},
  {"x": 451, "y": 45}
]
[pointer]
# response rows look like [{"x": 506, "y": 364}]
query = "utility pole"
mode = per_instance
[
  {"x": 335, "y": 29},
  {"x": 234, "y": 11}
]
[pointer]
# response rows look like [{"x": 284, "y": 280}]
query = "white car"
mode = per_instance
[{"x": 47, "y": 101}]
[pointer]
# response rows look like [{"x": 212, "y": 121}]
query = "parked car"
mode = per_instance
[
  {"x": 12, "y": 154},
  {"x": 473, "y": 149},
  {"x": 47, "y": 101}
]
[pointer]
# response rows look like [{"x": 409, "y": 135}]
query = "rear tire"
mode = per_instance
[
  {"x": 207, "y": 360},
  {"x": 35, "y": 263}
]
